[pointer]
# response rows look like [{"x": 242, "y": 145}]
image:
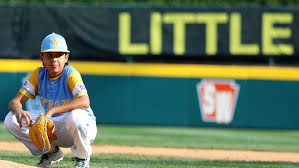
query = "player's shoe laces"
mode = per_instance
[
  {"x": 50, "y": 158},
  {"x": 81, "y": 163}
]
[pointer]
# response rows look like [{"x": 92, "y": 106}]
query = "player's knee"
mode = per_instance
[
  {"x": 76, "y": 120},
  {"x": 74, "y": 117},
  {"x": 9, "y": 121}
]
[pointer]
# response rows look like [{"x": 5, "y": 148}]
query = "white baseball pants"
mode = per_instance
[{"x": 75, "y": 129}]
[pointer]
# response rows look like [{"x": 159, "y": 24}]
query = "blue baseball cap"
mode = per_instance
[{"x": 54, "y": 43}]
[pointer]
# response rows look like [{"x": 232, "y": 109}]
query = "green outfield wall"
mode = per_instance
[
  {"x": 174, "y": 101},
  {"x": 168, "y": 94}
]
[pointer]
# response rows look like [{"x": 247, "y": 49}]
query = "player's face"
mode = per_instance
[{"x": 54, "y": 62}]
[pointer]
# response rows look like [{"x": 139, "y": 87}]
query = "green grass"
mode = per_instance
[
  {"x": 207, "y": 138},
  {"x": 179, "y": 137},
  {"x": 137, "y": 161},
  {"x": 183, "y": 137}
]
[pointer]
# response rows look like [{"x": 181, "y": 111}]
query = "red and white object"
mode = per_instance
[{"x": 217, "y": 100}]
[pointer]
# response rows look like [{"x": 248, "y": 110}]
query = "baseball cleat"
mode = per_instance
[
  {"x": 82, "y": 163},
  {"x": 50, "y": 158}
]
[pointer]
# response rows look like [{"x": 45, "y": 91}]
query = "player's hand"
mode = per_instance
[
  {"x": 48, "y": 115},
  {"x": 25, "y": 115}
]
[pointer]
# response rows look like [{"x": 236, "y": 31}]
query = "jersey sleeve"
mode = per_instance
[
  {"x": 30, "y": 86},
  {"x": 76, "y": 84}
]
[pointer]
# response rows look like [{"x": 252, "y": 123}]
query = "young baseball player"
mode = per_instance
[{"x": 65, "y": 101}]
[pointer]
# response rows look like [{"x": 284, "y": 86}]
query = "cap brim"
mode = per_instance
[{"x": 56, "y": 50}]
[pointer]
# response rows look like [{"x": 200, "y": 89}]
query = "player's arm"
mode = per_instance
[
  {"x": 16, "y": 106},
  {"x": 81, "y": 102},
  {"x": 78, "y": 90},
  {"x": 27, "y": 91}
]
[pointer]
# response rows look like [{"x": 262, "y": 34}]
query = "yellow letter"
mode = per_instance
[
  {"x": 270, "y": 32},
  {"x": 50, "y": 104},
  {"x": 65, "y": 101},
  {"x": 42, "y": 101},
  {"x": 156, "y": 33},
  {"x": 125, "y": 45},
  {"x": 179, "y": 20},
  {"x": 236, "y": 46},
  {"x": 57, "y": 103},
  {"x": 211, "y": 20}
]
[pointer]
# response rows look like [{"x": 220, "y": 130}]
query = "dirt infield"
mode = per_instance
[
  {"x": 5, "y": 163},
  {"x": 176, "y": 152}
]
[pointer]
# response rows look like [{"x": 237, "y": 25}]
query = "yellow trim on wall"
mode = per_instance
[
  {"x": 19, "y": 65},
  {"x": 164, "y": 70},
  {"x": 188, "y": 70}
]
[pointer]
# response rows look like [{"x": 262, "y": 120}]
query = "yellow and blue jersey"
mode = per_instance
[{"x": 55, "y": 91}]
